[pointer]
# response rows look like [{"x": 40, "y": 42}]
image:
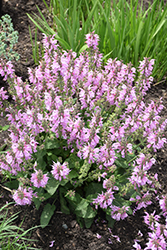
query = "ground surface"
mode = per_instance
[{"x": 64, "y": 229}]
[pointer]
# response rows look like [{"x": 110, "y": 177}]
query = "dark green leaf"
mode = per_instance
[
  {"x": 46, "y": 215},
  {"x": 63, "y": 182},
  {"x": 110, "y": 220},
  {"x": 40, "y": 158},
  {"x": 73, "y": 174},
  {"x": 37, "y": 202},
  {"x": 12, "y": 184},
  {"x": 72, "y": 160},
  {"x": 84, "y": 210},
  {"x": 93, "y": 188},
  {"x": 54, "y": 158},
  {"x": 122, "y": 163},
  {"x": 88, "y": 222},
  {"x": 82, "y": 205},
  {"x": 52, "y": 185},
  {"x": 63, "y": 203}
]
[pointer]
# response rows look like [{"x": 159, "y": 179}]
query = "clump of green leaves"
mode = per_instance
[{"x": 8, "y": 39}]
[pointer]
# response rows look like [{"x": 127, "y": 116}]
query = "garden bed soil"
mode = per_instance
[{"x": 64, "y": 229}]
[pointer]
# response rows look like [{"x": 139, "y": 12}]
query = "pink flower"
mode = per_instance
[
  {"x": 98, "y": 236},
  {"x": 52, "y": 243},
  {"x": 104, "y": 200},
  {"x": 137, "y": 246},
  {"x": 150, "y": 219},
  {"x": 163, "y": 204},
  {"x": 39, "y": 179},
  {"x": 60, "y": 170},
  {"x": 3, "y": 93},
  {"x": 92, "y": 40},
  {"x": 118, "y": 213},
  {"x": 156, "y": 242},
  {"x": 22, "y": 196}
]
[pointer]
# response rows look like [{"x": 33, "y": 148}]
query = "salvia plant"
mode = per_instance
[
  {"x": 8, "y": 39},
  {"x": 81, "y": 132}
]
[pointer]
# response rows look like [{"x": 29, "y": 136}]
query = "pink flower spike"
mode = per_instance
[
  {"x": 39, "y": 179},
  {"x": 22, "y": 196},
  {"x": 92, "y": 40},
  {"x": 60, "y": 170},
  {"x": 163, "y": 204}
]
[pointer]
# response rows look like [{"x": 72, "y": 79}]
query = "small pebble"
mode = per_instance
[{"x": 64, "y": 226}]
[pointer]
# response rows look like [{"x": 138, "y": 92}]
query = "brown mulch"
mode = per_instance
[{"x": 64, "y": 229}]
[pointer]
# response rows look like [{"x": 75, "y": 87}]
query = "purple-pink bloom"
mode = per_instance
[
  {"x": 104, "y": 200},
  {"x": 156, "y": 242},
  {"x": 51, "y": 243},
  {"x": 109, "y": 241},
  {"x": 39, "y": 179},
  {"x": 92, "y": 40},
  {"x": 60, "y": 170},
  {"x": 118, "y": 213},
  {"x": 163, "y": 204},
  {"x": 98, "y": 236},
  {"x": 22, "y": 196},
  {"x": 137, "y": 246},
  {"x": 150, "y": 219}
]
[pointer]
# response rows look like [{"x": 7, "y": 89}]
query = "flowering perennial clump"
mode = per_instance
[{"x": 83, "y": 128}]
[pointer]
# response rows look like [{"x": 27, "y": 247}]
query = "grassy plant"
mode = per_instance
[
  {"x": 11, "y": 236},
  {"x": 69, "y": 25},
  {"x": 126, "y": 30}
]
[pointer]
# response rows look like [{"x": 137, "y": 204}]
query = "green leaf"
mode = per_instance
[
  {"x": 46, "y": 215},
  {"x": 63, "y": 203},
  {"x": 84, "y": 47},
  {"x": 72, "y": 160},
  {"x": 5, "y": 127},
  {"x": 73, "y": 174},
  {"x": 88, "y": 222},
  {"x": 80, "y": 221},
  {"x": 52, "y": 185},
  {"x": 37, "y": 202},
  {"x": 40, "y": 158},
  {"x": 54, "y": 158},
  {"x": 84, "y": 210},
  {"x": 12, "y": 184},
  {"x": 49, "y": 153},
  {"x": 121, "y": 162},
  {"x": 73, "y": 201},
  {"x": 91, "y": 197},
  {"x": 130, "y": 212},
  {"x": 90, "y": 212},
  {"x": 63, "y": 182},
  {"x": 2, "y": 148},
  {"x": 120, "y": 202},
  {"x": 110, "y": 220},
  {"x": 82, "y": 205},
  {"x": 93, "y": 188},
  {"x": 52, "y": 144}
]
